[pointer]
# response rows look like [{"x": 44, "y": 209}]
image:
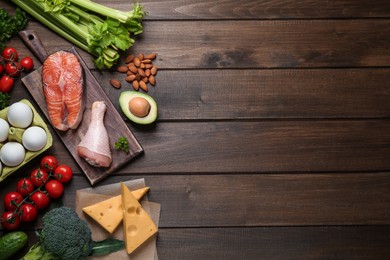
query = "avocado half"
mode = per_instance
[{"x": 124, "y": 100}]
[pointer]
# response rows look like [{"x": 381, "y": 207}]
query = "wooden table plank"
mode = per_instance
[
  {"x": 254, "y": 9},
  {"x": 276, "y": 243},
  {"x": 256, "y": 44},
  {"x": 259, "y": 200},
  {"x": 259, "y": 146},
  {"x": 264, "y": 146},
  {"x": 257, "y": 94}
]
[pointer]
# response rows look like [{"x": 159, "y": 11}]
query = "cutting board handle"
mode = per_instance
[{"x": 32, "y": 41}]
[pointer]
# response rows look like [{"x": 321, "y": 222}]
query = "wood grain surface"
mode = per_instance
[{"x": 273, "y": 131}]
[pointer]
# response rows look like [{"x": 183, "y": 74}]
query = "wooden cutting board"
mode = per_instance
[{"x": 113, "y": 122}]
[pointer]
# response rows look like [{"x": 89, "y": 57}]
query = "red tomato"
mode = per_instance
[
  {"x": 10, "y": 53},
  {"x": 10, "y": 221},
  {"x": 25, "y": 186},
  {"x": 28, "y": 212},
  {"x": 27, "y": 63},
  {"x": 12, "y": 199},
  {"x": 49, "y": 163},
  {"x": 63, "y": 173},
  {"x": 6, "y": 83},
  {"x": 54, "y": 188},
  {"x": 1, "y": 68},
  {"x": 13, "y": 69},
  {"x": 40, "y": 199},
  {"x": 38, "y": 177}
]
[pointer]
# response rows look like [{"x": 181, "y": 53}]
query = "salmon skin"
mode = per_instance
[{"x": 62, "y": 78}]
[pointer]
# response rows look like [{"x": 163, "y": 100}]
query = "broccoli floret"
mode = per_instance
[{"x": 64, "y": 236}]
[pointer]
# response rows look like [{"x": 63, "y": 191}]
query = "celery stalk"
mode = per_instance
[
  {"x": 40, "y": 16},
  {"x": 82, "y": 23}
]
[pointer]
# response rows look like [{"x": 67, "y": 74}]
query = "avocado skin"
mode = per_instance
[{"x": 124, "y": 99}]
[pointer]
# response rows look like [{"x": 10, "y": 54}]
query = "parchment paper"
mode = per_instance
[{"x": 89, "y": 196}]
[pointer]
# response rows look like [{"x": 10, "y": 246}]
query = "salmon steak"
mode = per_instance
[{"x": 62, "y": 78}]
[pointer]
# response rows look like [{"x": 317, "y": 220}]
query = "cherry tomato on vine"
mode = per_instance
[
  {"x": 10, "y": 53},
  {"x": 38, "y": 176},
  {"x": 55, "y": 189},
  {"x": 6, "y": 83},
  {"x": 41, "y": 199},
  {"x": 12, "y": 199},
  {"x": 25, "y": 186},
  {"x": 49, "y": 163},
  {"x": 63, "y": 173},
  {"x": 28, "y": 212},
  {"x": 27, "y": 63},
  {"x": 13, "y": 69},
  {"x": 10, "y": 221}
]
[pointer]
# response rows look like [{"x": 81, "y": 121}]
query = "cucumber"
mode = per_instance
[{"x": 12, "y": 243}]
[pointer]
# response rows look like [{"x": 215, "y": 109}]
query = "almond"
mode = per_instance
[
  {"x": 141, "y": 72},
  {"x": 150, "y": 56},
  {"x": 122, "y": 69},
  {"x": 115, "y": 83},
  {"x": 130, "y": 73},
  {"x": 147, "y": 72},
  {"x": 153, "y": 70},
  {"x": 141, "y": 56},
  {"x": 129, "y": 58},
  {"x": 152, "y": 80},
  {"x": 148, "y": 66},
  {"x": 137, "y": 62},
  {"x": 145, "y": 79},
  {"x": 137, "y": 77},
  {"x": 143, "y": 86},
  {"x": 130, "y": 78},
  {"x": 142, "y": 65},
  {"x": 135, "y": 85},
  {"x": 147, "y": 61},
  {"x": 133, "y": 69}
]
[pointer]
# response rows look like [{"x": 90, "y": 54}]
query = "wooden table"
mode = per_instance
[{"x": 273, "y": 136}]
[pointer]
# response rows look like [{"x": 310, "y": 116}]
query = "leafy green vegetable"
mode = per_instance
[
  {"x": 107, "y": 246},
  {"x": 5, "y": 99},
  {"x": 95, "y": 28},
  {"x": 122, "y": 144},
  {"x": 65, "y": 236},
  {"x": 10, "y": 25}
]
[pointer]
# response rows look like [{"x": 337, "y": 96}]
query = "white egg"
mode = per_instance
[
  {"x": 4, "y": 128},
  {"x": 12, "y": 154},
  {"x": 34, "y": 138},
  {"x": 20, "y": 115}
]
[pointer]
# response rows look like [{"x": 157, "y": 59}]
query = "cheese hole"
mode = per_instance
[
  {"x": 101, "y": 214},
  {"x": 138, "y": 210},
  {"x": 132, "y": 230},
  {"x": 131, "y": 210}
]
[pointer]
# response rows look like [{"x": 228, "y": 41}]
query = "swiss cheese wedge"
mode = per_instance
[
  {"x": 137, "y": 224},
  {"x": 108, "y": 213}
]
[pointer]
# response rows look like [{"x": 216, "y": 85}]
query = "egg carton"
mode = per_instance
[{"x": 15, "y": 134}]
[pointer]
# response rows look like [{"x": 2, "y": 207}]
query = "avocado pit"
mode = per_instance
[{"x": 139, "y": 106}]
